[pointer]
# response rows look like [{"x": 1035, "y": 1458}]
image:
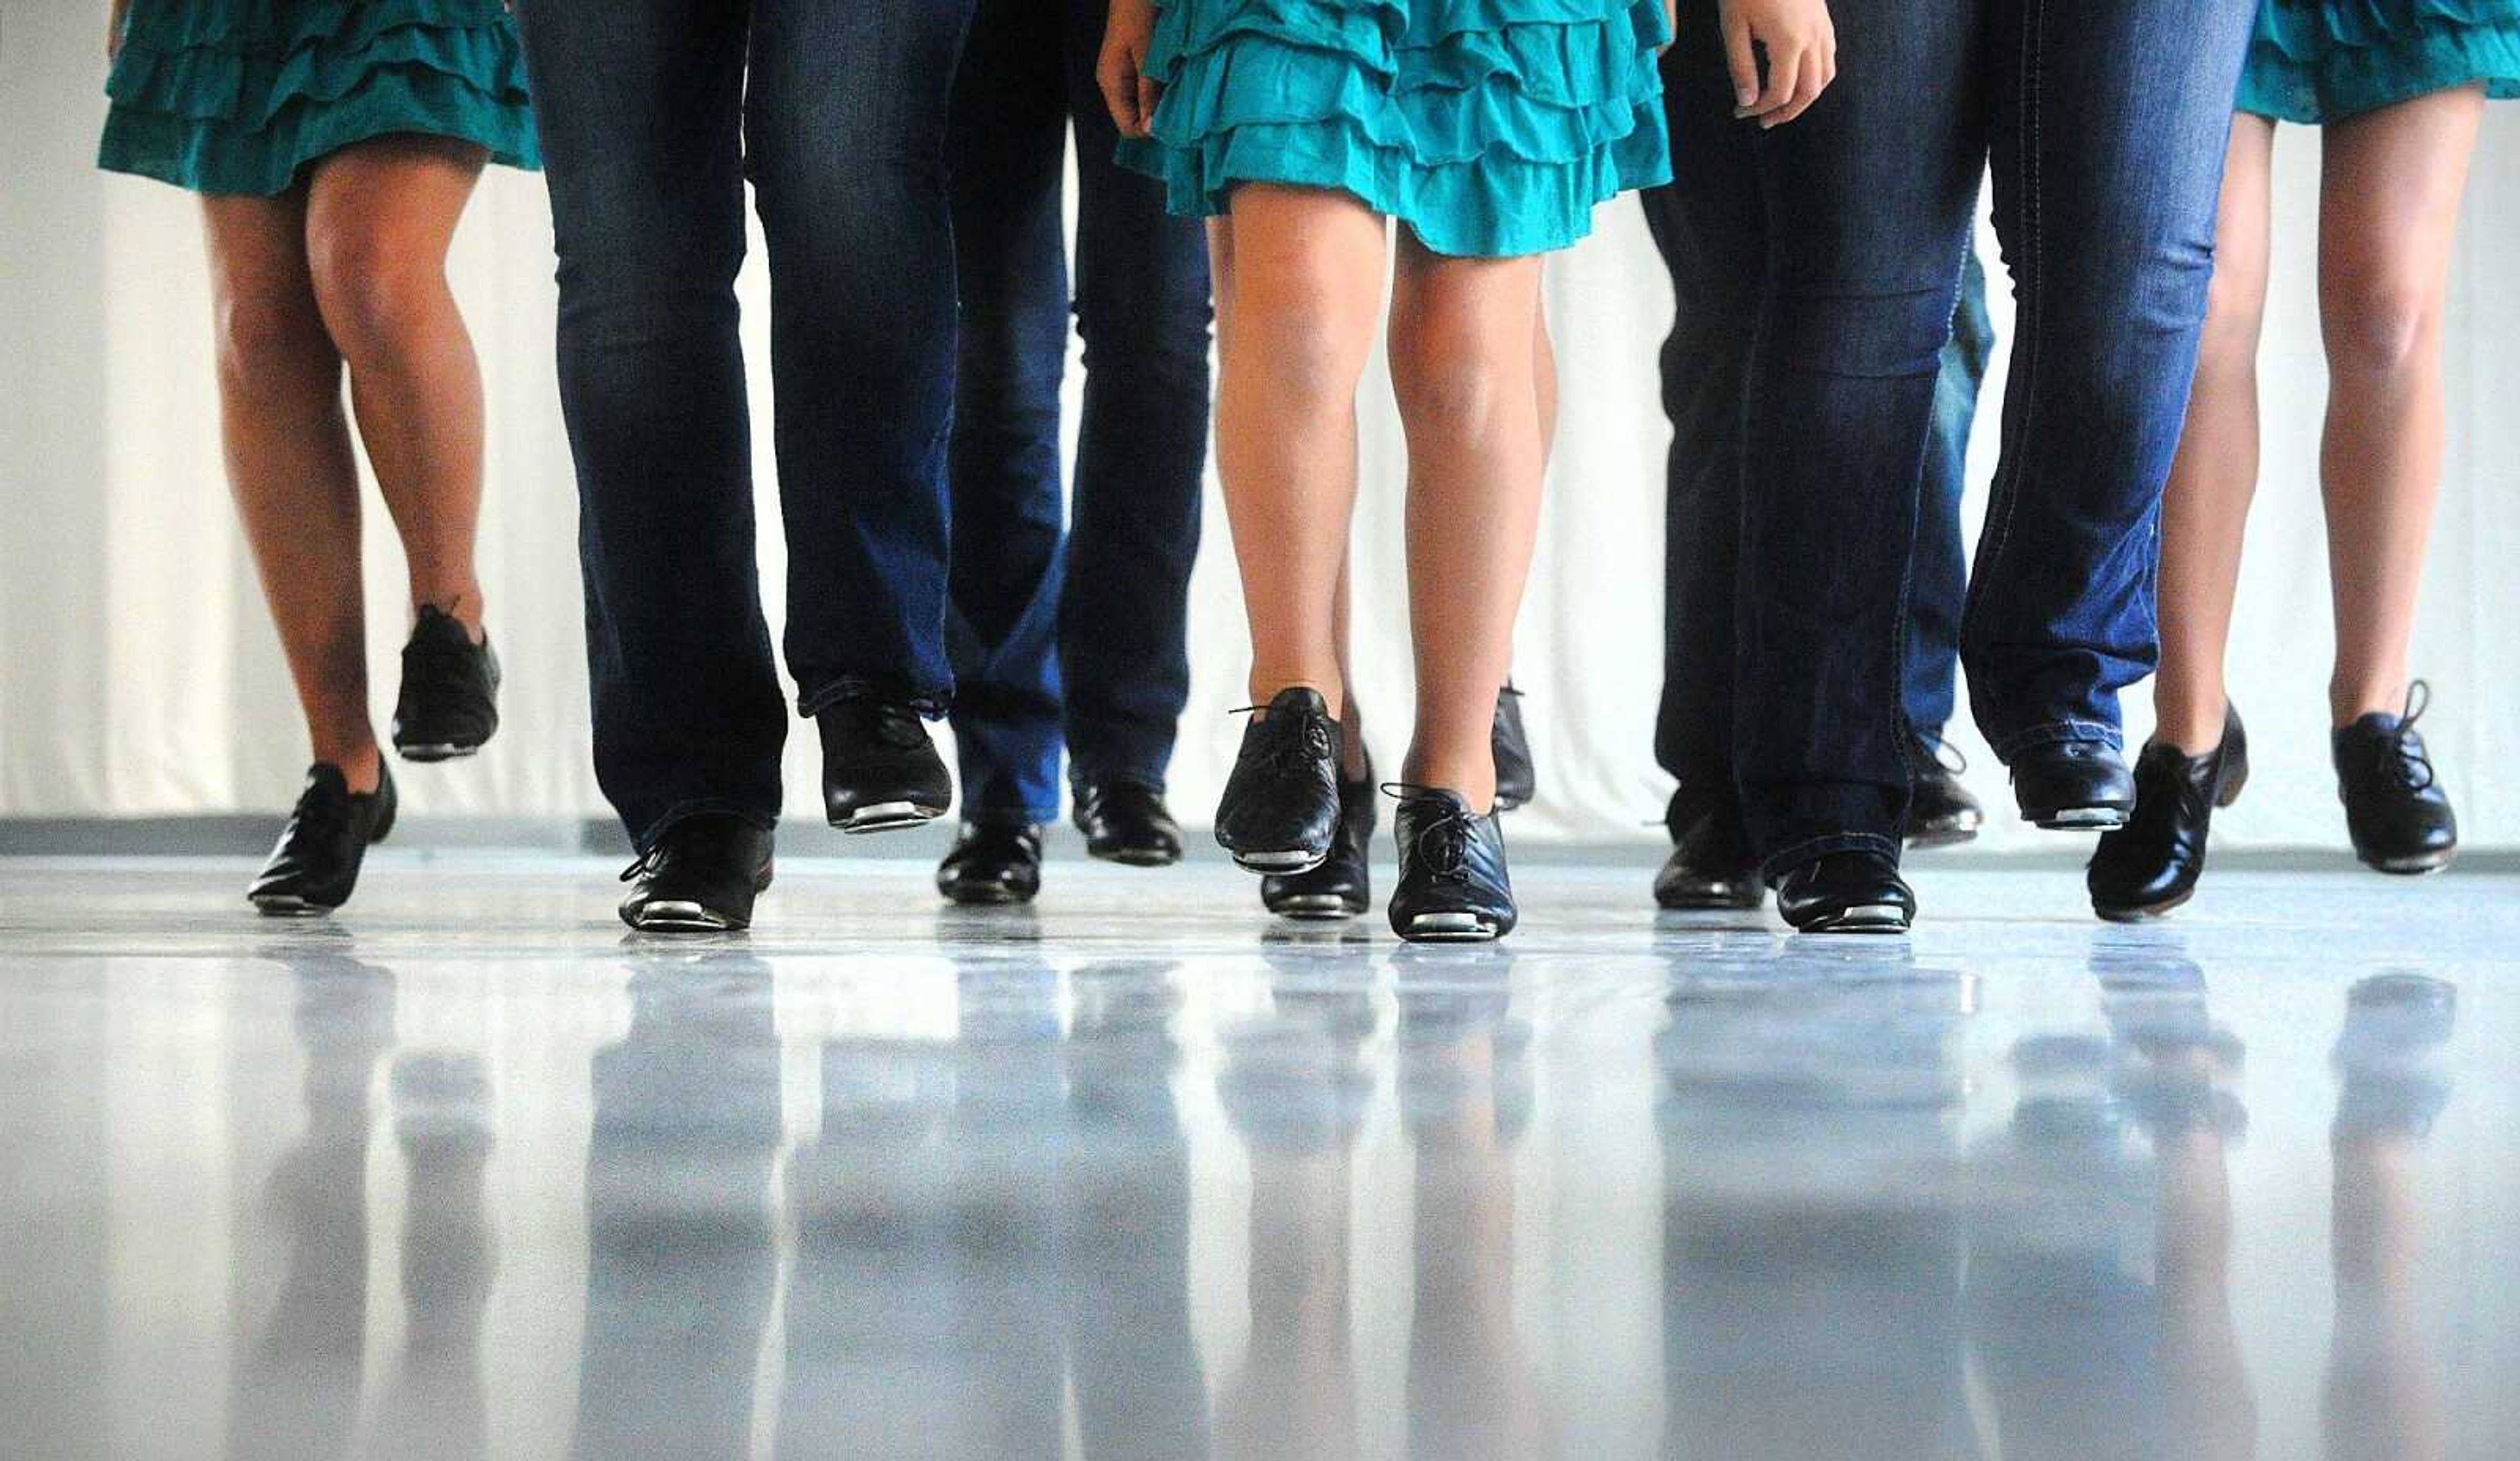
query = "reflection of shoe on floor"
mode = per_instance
[{"x": 2388, "y": 1054}]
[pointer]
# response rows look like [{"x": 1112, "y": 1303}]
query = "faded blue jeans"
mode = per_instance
[
  {"x": 654, "y": 112},
  {"x": 2104, "y": 122}
]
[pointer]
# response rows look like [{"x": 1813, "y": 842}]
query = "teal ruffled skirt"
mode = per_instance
[
  {"x": 2320, "y": 61},
  {"x": 235, "y": 96},
  {"x": 1491, "y": 127}
]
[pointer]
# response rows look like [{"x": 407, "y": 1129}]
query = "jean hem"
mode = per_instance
[
  {"x": 1811, "y": 849},
  {"x": 2055, "y": 732},
  {"x": 931, "y": 704},
  {"x": 682, "y": 812}
]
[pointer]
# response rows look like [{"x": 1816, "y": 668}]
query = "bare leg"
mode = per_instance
[
  {"x": 1220, "y": 263},
  {"x": 1296, "y": 312},
  {"x": 1463, "y": 365},
  {"x": 379, "y": 218},
  {"x": 1544, "y": 369},
  {"x": 290, "y": 465},
  {"x": 2205, "y": 508},
  {"x": 2389, "y": 199}
]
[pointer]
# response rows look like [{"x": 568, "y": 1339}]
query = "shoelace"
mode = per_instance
[
  {"x": 2407, "y": 764},
  {"x": 644, "y": 864},
  {"x": 1443, "y": 845},
  {"x": 1944, "y": 754},
  {"x": 320, "y": 814},
  {"x": 1295, "y": 748}
]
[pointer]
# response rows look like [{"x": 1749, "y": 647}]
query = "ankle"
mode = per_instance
[
  {"x": 2351, "y": 702},
  {"x": 1473, "y": 779},
  {"x": 2194, "y": 725},
  {"x": 1267, "y": 687},
  {"x": 362, "y": 764},
  {"x": 463, "y": 603}
]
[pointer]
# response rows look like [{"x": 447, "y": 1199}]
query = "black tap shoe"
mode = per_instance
[
  {"x": 700, "y": 877},
  {"x": 1127, "y": 822},
  {"x": 1941, "y": 813},
  {"x": 2396, "y": 812},
  {"x": 1711, "y": 867},
  {"x": 1280, "y": 807},
  {"x": 1517, "y": 778},
  {"x": 2072, "y": 786},
  {"x": 1452, "y": 886},
  {"x": 449, "y": 703},
  {"x": 1846, "y": 891},
  {"x": 2152, "y": 864},
  {"x": 1342, "y": 887},
  {"x": 880, "y": 771},
  {"x": 315, "y": 866},
  {"x": 992, "y": 863}
]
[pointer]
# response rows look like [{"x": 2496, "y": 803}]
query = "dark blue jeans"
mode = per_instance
[
  {"x": 652, "y": 114},
  {"x": 1083, "y": 643},
  {"x": 2104, "y": 122},
  {"x": 1712, "y": 233}
]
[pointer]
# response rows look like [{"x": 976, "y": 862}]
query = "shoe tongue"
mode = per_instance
[{"x": 1298, "y": 699}]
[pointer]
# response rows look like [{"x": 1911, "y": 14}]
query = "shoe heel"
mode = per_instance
[
  {"x": 385, "y": 824},
  {"x": 2235, "y": 780}
]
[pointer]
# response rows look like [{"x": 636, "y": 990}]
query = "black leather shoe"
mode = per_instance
[
  {"x": 992, "y": 863},
  {"x": 2397, "y": 815},
  {"x": 2072, "y": 786},
  {"x": 1280, "y": 807},
  {"x": 315, "y": 864},
  {"x": 2152, "y": 864},
  {"x": 1452, "y": 886},
  {"x": 1941, "y": 813},
  {"x": 449, "y": 705},
  {"x": 880, "y": 771},
  {"x": 1342, "y": 887},
  {"x": 1127, "y": 822},
  {"x": 700, "y": 877},
  {"x": 1846, "y": 891},
  {"x": 1711, "y": 867},
  {"x": 1517, "y": 779}
]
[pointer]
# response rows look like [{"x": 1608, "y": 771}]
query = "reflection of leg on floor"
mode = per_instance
[
  {"x": 2384, "y": 1395},
  {"x": 922, "y": 1312},
  {"x": 1124, "y": 1184},
  {"x": 433, "y": 1405},
  {"x": 1296, "y": 1088},
  {"x": 294, "y": 1389},
  {"x": 681, "y": 1255},
  {"x": 1465, "y": 1094}
]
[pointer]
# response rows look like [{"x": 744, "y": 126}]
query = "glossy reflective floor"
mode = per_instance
[{"x": 468, "y": 1174}]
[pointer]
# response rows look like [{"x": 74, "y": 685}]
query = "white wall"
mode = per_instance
[{"x": 139, "y": 676}]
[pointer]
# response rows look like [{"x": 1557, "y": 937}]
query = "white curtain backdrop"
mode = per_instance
[{"x": 139, "y": 675}]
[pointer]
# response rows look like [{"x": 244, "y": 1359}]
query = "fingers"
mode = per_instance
[
  {"x": 1741, "y": 59},
  {"x": 1799, "y": 70},
  {"x": 1149, "y": 92},
  {"x": 1818, "y": 69},
  {"x": 1117, "y": 77},
  {"x": 1784, "y": 64}
]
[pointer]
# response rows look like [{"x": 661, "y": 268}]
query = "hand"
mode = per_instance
[
  {"x": 1801, "y": 42},
  {"x": 1127, "y": 90}
]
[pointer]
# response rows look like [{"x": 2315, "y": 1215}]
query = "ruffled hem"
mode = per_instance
[
  {"x": 2337, "y": 58},
  {"x": 1492, "y": 127},
  {"x": 213, "y": 157}
]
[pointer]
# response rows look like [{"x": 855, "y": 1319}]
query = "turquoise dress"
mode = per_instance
[
  {"x": 235, "y": 96},
  {"x": 2322, "y": 61},
  {"x": 1491, "y": 127}
]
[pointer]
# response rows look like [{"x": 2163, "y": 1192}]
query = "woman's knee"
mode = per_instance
[
  {"x": 376, "y": 297},
  {"x": 2379, "y": 320},
  {"x": 261, "y": 325}
]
